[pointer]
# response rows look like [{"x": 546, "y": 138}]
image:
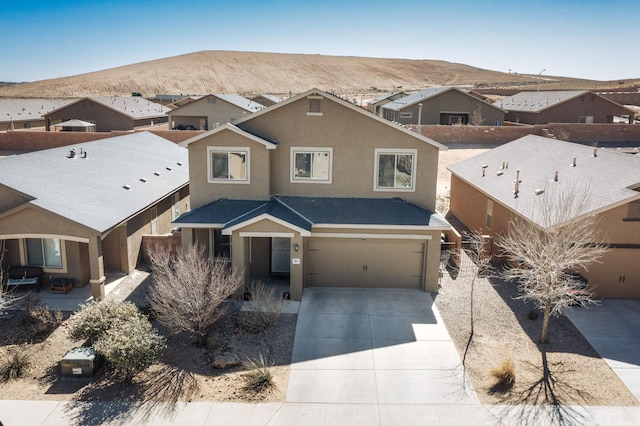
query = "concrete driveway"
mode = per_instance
[
  {"x": 373, "y": 347},
  {"x": 613, "y": 329}
]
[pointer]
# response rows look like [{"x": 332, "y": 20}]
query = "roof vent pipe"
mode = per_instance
[
  {"x": 555, "y": 177},
  {"x": 595, "y": 152},
  {"x": 574, "y": 163}
]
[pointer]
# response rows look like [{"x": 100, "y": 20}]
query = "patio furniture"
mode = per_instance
[
  {"x": 61, "y": 285},
  {"x": 23, "y": 276}
]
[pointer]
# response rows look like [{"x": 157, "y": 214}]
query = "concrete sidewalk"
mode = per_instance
[{"x": 613, "y": 329}]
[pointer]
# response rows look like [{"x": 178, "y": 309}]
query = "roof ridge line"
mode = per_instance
[{"x": 275, "y": 197}]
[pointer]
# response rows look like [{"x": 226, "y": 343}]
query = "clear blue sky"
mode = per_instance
[{"x": 592, "y": 39}]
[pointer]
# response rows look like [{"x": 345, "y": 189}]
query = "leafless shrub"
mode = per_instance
[
  {"x": 189, "y": 289},
  {"x": 560, "y": 133},
  {"x": 41, "y": 321},
  {"x": 262, "y": 311}
]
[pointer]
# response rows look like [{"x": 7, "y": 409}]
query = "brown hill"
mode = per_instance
[{"x": 250, "y": 72}]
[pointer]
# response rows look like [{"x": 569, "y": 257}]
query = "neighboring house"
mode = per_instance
[
  {"x": 267, "y": 100},
  {"x": 442, "y": 105},
  {"x": 74, "y": 126},
  {"x": 27, "y": 113},
  {"x": 565, "y": 106},
  {"x": 375, "y": 104},
  {"x": 321, "y": 191},
  {"x": 81, "y": 210},
  {"x": 211, "y": 111},
  {"x": 110, "y": 113},
  {"x": 483, "y": 198}
]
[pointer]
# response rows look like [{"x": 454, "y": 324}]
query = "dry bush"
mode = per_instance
[
  {"x": 16, "y": 366},
  {"x": 504, "y": 376},
  {"x": 93, "y": 321},
  {"x": 262, "y": 311},
  {"x": 41, "y": 321},
  {"x": 189, "y": 289},
  {"x": 260, "y": 378}
]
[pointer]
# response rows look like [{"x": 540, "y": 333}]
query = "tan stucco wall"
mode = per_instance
[
  {"x": 203, "y": 192},
  {"x": 10, "y": 199},
  {"x": 354, "y": 137},
  {"x": 469, "y": 205},
  {"x": 105, "y": 118}
]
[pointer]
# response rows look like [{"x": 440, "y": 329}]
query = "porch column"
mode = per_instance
[
  {"x": 239, "y": 257},
  {"x": 96, "y": 268},
  {"x": 186, "y": 237},
  {"x": 296, "y": 267}
]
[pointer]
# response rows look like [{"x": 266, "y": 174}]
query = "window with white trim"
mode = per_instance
[
  {"x": 489, "y": 214},
  {"x": 228, "y": 165},
  {"x": 43, "y": 252},
  {"x": 395, "y": 169},
  {"x": 311, "y": 164}
]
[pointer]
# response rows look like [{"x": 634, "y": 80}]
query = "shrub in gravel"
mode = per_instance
[
  {"x": 96, "y": 318},
  {"x": 504, "y": 376},
  {"x": 260, "y": 376},
  {"x": 41, "y": 321},
  {"x": 131, "y": 346},
  {"x": 262, "y": 311},
  {"x": 15, "y": 366}
]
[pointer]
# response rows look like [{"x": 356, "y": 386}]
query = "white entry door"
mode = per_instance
[{"x": 280, "y": 256}]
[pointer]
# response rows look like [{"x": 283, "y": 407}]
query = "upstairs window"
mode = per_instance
[
  {"x": 228, "y": 165},
  {"x": 311, "y": 164},
  {"x": 633, "y": 212},
  {"x": 395, "y": 170}
]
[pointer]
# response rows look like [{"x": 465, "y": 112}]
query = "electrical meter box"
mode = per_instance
[{"x": 80, "y": 363}]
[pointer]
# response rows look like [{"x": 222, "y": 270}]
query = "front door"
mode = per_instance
[{"x": 280, "y": 256}]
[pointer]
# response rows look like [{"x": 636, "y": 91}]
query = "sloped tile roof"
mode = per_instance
[
  {"x": 611, "y": 178},
  {"x": 90, "y": 191},
  {"x": 304, "y": 212}
]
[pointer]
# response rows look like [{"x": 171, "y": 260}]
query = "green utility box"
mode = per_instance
[{"x": 80, "y": 363}]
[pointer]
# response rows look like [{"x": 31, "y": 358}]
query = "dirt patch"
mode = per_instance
[
  {"x": 567, "y": 371},
  {"x": 184, "y": 372}
]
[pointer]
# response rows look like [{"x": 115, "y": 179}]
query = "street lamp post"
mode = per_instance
[{"x": 539, "y": 78}]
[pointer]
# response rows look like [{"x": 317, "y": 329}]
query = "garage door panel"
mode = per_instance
[{"x": 365, "y": 263}]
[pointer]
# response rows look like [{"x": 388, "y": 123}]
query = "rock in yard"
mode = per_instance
[{"x": 224, "y": 361}]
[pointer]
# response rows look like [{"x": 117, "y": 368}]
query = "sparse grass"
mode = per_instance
[
  {"x": 260, "y": 377},
  {"x": 15, "y": 366},
  {"x": 504, "y": 377},
  {"x": 264, "y": 310}
]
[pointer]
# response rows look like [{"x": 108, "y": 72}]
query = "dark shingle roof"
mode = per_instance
[
  {"x": 304, "y": 212},
  {"x": 610, "y": 178},
  {"x": 89, "y": 191}
]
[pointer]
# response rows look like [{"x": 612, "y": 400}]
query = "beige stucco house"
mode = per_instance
[
  {"x": 320, "y": 191},
  {"x": 210, "y": 111},
  {"x": 81, "y": 210},
  {"x": 442, "y": 105},
  {"x": 484, "y": 198}
]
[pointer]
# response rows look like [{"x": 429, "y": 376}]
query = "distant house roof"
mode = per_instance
[
  {"x": 28, "y": 109},
  {"x": 273, "y": 98},
  {"x": 74, "y": 123},
  {"x": 91, "y": 191},
  {"x": 383, "y": 97},
  {"x": 135, "y": 107},
  {"x": 306, "y": 212},
  {"x": 540, "y": 101},
  {"x": 417, "y": 97},
  {"x": 239, "y": 101},
  {"x": 612, "y": 178}
]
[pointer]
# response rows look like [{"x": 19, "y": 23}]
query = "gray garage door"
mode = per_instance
[{"x": 365, "y": 263}]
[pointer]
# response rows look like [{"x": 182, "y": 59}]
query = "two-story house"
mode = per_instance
[{"x": 321, "y": 191}]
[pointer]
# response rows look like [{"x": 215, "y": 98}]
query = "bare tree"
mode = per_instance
[
  {"x": 475, "y": 264},
  {"x": 7, "y": 298},
  {"x": 476, "y": 116},
  {"x": 547, "y": 254},
  {"x": 190, "y": 288}
]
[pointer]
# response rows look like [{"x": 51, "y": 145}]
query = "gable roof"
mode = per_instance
[
  {"x": 135, "y": 107},
  {"x": 89, "y": 191},
  {"x": 268, "y": 143},
  {"x": 27, "y": 109},
  {"x": 383, "y": 97},
  {"x": 612, "y": 178},
  {"x": 540, "y": 101},
  {"x": 306, "y": 212},
  {"x": 424, "y": 94},
  {"x": 345, "y": 104}
]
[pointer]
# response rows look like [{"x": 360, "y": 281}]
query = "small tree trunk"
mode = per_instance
[{"x": 545, "y": 322}]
